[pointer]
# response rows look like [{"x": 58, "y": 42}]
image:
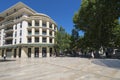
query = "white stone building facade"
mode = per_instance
[{"x": 26, "y": 33}]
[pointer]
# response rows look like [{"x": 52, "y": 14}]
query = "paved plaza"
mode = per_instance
[{"x": 62, "y": 68}]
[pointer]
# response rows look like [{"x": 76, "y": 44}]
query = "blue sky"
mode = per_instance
[{"x": 61, "y": 11}]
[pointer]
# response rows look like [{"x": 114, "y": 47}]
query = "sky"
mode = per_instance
[{"x": 61, "y": 11}]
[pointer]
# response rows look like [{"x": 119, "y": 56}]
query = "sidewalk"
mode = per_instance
[{"x": 59, "y": 69}]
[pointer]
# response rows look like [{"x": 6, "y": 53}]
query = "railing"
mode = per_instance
[
  {"x": 9, "y": 37},
  {"x": 36, "y": 33},
  {"x": 29, "y": 34},
  {"x": 8, "y": 22},
  {"x": 9, "y": 30},
  {"x": 44, "y": 33}
]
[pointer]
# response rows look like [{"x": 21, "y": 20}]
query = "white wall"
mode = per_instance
[
  {"x": 24, "y": 31},
  {"x": 2, "y": 36},
  {"x": 18, "y": 33},
  {"x": 14, "y": 34}
]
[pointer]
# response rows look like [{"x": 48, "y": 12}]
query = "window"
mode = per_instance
[
  {"x": 50, "y": 33},
  {"x": 15, "y": 34},
  {"x": 36, "y": 39},
  {"x": 36, "y": 23},
  {"x": 15, "y": 41},
  {"x": 55, "y": 27},
  {"x": 37, "y": 32},
  {"x": 20, "y": 25},
  {"x": 44, "y": 24},
  {"x": 16, "y": 27},
  {"x": 43, "y": 32},
  {"x": 50, "y": 41},
  {"x": 29, "y": 32},
  {"x": 50, "y": 25},
  {"x": 29, "y": 40},
  {"x": 43, "y": 39},
  {"x": 20, "y": 40},
  {"x": 29, "y": 24},
  {"x": 20, "y": 32}
]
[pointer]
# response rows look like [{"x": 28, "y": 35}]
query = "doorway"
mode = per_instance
[
  {"x": 19, "y": 54},
  {"x": 29, "y": 52},
  {"x": 51, "y": 52},
  {"x": 44, "y": 52},
  {"x": 9, "y": 52},
  {"x": 36, "y": 52},
  {"x": 15, "y": 53}
]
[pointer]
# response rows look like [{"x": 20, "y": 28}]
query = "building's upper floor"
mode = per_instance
[
  {"x": 19, "y": 12},
  {"x": 21, "y": 24}
]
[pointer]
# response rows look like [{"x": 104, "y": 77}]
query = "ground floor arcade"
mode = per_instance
[{"x": 27, "y": 52}]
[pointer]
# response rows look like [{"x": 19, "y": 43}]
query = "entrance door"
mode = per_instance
[
  {"x": 44, "y": 52},
  {"x": 50, "y": 52},
  {"x": 9, "y": 52},
  {"x": 36, "y": 52},
  {"x": 19, "y": 53},
  {"x": 15, "y": 53},
  {"x": 2, "y": 53},
  {"x": 29, "y": 52}
]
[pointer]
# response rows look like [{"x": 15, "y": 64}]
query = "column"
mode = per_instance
[
  {"x": 48, "y": 35},
  {"x": 53, "y": 26},
  {"x": 5, "y": 54},
  {"x": 33, "y": 39},
  {"x": 40, "y": 31},
  {"x": 33, "y": 32},
  {"x": 40, "y": 39},
  {"x": 33, "y": 23},
  {"x": 32, "y": 52},
  {"x": 40, "y": 22},
  {"x": 53, "y": 34},
  {"x": 53, "y": 40},
  {"x": 48, "y": 52},
  {"x": 40, "y": 52},
  {"x": 24, "y": 52},
  {"x": 48, "y": 32},
  {"x": 47, "y": 24},
  {"x": 48, "y": 40}
]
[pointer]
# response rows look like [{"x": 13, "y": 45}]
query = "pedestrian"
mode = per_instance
[
  {"x": 92, "y": 54},
  {"x": 4, "y": 57}
]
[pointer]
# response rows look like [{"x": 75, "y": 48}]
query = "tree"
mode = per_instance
[
  {"x": 116, "y": 34},
  {"x": 62, "y": 40},
  {"x": 74, "y": 39},
  {"x": 97, "y": 19}
]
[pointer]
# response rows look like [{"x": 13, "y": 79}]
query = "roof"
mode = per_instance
[{"x": 20, "y": 5}]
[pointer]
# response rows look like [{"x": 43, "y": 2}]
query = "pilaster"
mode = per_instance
[{"x": 33, "y": 23}]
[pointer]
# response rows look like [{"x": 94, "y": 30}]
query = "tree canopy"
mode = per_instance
[
  {"x": 62, "y": 40},
  {"x": 97, "y": 19}
]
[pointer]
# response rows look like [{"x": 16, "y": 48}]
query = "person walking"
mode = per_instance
[{"x": 92, "y": 54}]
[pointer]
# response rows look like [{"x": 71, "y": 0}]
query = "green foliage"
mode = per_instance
[
  {"x": 116, "y": 34},
  {"x": 74, "y": 39},
  {"x": 97, "y": 19},
  {"x": 62, "y": 40}
]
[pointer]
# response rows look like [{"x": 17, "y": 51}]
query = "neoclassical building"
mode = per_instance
[{"x": 26, "y": 33}]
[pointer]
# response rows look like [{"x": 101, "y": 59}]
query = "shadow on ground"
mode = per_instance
[
  {"x": 7, "y": 60},
  {"x": 112, "y": 63}
]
